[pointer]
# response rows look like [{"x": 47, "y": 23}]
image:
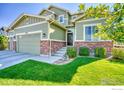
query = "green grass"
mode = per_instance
[{"x": 81, "y": 71}]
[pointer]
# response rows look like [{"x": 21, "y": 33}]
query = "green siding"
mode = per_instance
[
  {"x": 28, "y": 20},
  {"x": 61, "y": 12},
  {"x": 46, "y": 13},
  {"x": 40, "y": 27},
  {"x": 79, "y": 26},
  {"x": 58, "y": 34}
]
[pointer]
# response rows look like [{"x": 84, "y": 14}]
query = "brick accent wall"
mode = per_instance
[
  {"x": 107, "y": 44},
  {"x": 44, "y": 47},
  {"x": 9, "y": 45},
  {"x": 14, "y": 46},
  {"x": 55, "y": 46}
]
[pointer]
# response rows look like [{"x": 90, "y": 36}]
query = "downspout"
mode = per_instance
[{"x": 50, "y": 53}]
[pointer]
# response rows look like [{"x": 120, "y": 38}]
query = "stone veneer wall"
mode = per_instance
[
  {"x": 44, "y": 47},
  {"x": 107, "y": 44},
  {"x": 9, "y": 45},
  {"x": 55, "y": 46},
  {"x": 14, "y": 45}
]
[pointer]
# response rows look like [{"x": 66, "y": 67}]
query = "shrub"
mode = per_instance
[
  {"x": 3, "y": 42},
  {"x": 100, "y": 52},
  {"x": 84, "y": 51},
  {"x": 118, "y": 53},
  {"x": 71, "y": 52},
  {"x": 96, "y": 52}
]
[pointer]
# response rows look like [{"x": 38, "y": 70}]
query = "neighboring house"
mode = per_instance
[
  {"x": 3, "y": 31},
  {"x": 53, "y": 29}
]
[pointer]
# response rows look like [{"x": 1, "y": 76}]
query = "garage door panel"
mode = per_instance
[{"x": 29, "y": 44}]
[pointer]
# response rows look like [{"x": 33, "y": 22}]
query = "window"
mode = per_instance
[
  {"x": 73, "y": 17},
  {"x": 89, "y": 33},
  {"x": 61, "y": 18}
]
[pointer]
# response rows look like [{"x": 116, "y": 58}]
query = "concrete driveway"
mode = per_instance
[{"x": 10, "y": 58}]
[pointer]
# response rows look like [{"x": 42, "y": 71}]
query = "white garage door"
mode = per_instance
[{"x": 29, "y": 44}]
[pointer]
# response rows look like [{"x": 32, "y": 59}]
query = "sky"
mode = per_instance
[{"x": 10, "y": 11}]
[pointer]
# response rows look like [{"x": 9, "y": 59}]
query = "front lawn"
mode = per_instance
[{"x": 81, "y": 71}]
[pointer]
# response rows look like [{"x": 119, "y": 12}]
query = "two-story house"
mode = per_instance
[{"x": 52, "y": 29}]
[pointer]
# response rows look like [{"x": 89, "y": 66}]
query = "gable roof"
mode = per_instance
[
  {"x": 52, "y": 21},
  {"x": 91, "y": 19},
  {"x": 46, "y": 10},
  {"x": 24, "y": 15},
  {"x": 37, "y": 16},
  {"x": 78, "y": 18},
  {"x": 52, "y": 6},
  {"x": 76, "y": 13}
]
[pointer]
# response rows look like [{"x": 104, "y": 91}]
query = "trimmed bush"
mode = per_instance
[
  {"x": 3, "y": 42},
  {"x": 118, "y": 53},
  {"x": 84, "y": 51},
  {"x": 100, "y": 52},
  {"x": 96, "y": 52},
  {"x": 71, "y": 52}
]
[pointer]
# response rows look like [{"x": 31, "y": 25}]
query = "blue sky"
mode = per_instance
[{"x": 9, "y": 12}]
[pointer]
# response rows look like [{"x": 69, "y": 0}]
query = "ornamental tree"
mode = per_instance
[
  {"x": 3, "y": 42},
  {"x": 114, "y": 23}
]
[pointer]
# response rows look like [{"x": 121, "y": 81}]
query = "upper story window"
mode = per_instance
[
  {"x": 61, "y": 18},
  {"x": 89, "y": 32},
  {"x": 73, "y": 17}
]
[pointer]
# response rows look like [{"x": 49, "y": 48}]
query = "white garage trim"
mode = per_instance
[
  {"x": 31, "y": 32},
  {"x": 28, "y": 42},
  {"x": 35, "y": 32},
  {"x": 20, "y": 34}
]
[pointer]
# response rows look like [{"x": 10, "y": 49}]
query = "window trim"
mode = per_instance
[
  {"x": 63, "y": 18},
  {"x": 74, "y": 17},
  {"x": 91, "y": 32}
]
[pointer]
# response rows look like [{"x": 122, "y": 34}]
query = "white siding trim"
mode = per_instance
[
  {"x": 49, "y": 31},
  {"x": 31, "y": 24},
  {"x": 75, "y": 32},
  {"x": 93, "y": 41},
  {"x": 95, "y": 24},
  {"x": 66, "y": 36},
  {"x": 58, "y": 40},
  {"x": 44, "y": 39},
  {"x": 53, "y": 40},
  {"x": 79, "y": 40},
  {"x": 91, "y": 20}
]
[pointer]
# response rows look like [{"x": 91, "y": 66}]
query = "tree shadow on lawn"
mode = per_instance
[
  {"x": 116, "y": 60},
  {"x": 34, "y": 70}
]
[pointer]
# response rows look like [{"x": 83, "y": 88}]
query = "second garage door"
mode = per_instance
[{"x": 29, "y": 44}]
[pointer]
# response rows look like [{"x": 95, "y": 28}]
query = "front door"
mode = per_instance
[{"x": 70, "y": 39}]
